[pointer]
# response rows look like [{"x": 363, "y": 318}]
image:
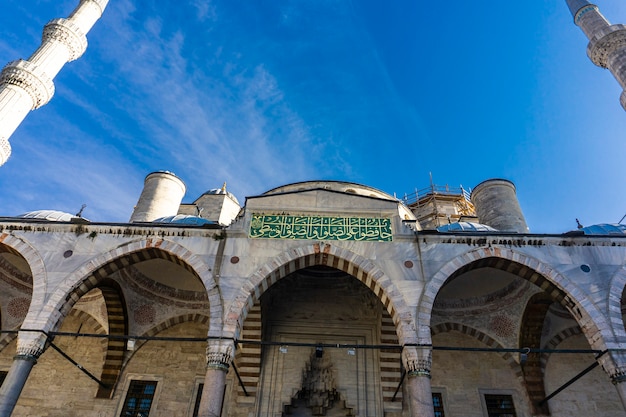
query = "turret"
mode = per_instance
[
  {"x": 161, "y": 197},
  {"x": 496, "y": 205},
  {"x": 607, "y": 43},
  {"x": 26, "y": 85}
]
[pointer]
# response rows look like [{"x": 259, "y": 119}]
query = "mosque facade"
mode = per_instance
[
  {"x": 315, "y": 298},
  {"x": 319, "y": 298}
]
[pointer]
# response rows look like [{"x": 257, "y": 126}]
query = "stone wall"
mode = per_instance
[
  {"x": 592, "y": 395},
  {"x": 56, "y": 388}
]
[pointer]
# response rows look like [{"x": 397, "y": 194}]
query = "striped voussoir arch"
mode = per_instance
[
  {"x": 530, "y": 337},
  {"x": 166, "y": 324},
  {"x": 173, "y": 321},
  {"x": 122, "y": 262},
  {"x": 6, "y": 339},
  {"x": 483, "y": 338},
  {"x": 118, "y": 326},
  {"x": 90, "y": 321},
  {"x": 556, "y": 340},
  {"x": 19, "y": 247},
  {"x": 327, "y": 255},
  {"x": 549, "y": 280},
  {"x": 97, "y": 270},
  {"x": 617, "y": 304}
]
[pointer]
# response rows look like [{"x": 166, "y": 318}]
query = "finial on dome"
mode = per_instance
[{"x": 224, "y": 187}]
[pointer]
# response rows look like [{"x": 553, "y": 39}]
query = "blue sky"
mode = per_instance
[{"x": 260, "y": 94}]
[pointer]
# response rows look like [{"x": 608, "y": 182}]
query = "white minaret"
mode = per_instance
[
  {"x": 607, "y": 43},
  {"x": 26, "y": 85}
]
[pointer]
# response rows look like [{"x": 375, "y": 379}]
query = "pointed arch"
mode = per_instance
[
  {"x": 555, "y": 341},
  {"x": 617, "y": 291},
  {"x": 94, "y": 272},
  {"x": 592, "y": 321},
  {"x": 88, "y": 319},
  {"x": 328, "y": 255},
  {"x": 481, "y": 337},
  {"x": 118, "y": 326},
  {"x": 6, "y": 339},
  {"x": 20, "y": 247},
  {"x": 176, "y": 320},
  {"x": 530, "y": 337},
  {"x": 167, "y": 324}
]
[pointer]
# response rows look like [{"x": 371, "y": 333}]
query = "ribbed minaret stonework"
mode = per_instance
[
  {"x": 26, "y": 85},
  {"x": 607, "y": 43}
]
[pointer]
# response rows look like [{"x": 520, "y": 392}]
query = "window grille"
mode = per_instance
[
  {"x": 500, "y": 405},
  {"x": 438, "y": 404},
  {"x": 139, "y": 398}
]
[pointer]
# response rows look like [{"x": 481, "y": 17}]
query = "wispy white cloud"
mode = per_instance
[{"x": 227, "y": 121}]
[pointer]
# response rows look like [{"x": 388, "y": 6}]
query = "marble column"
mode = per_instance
[
  {"x": 417, "y": 362},
  {"x": 219, "y": 358},
  {"x": 29, "y": 347}
]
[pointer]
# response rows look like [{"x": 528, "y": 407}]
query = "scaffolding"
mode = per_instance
[{"x": 438, "y": 205}]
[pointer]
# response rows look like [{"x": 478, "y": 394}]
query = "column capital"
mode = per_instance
[
  {"x": 417, "y": 360},
  {"x": 26, "y": 75},
  {"x": 618, "y": 375},
  {"x": 30, "y": 345},
  {"x": 67, "y": 33},
  {"x": 219, "y": 354}
]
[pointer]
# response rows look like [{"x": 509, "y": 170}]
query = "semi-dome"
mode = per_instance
[
  {"x": 51, "y": 215},
  {"x": 184, "y": 219},
  {"x": 604, "y": 229},
  {"x": 466, "y": 227}
]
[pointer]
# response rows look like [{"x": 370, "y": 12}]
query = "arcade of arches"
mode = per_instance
[{"x": 186, "y": 320}]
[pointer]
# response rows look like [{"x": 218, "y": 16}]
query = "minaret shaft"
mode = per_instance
[
  {"x": 26, "y": 85},
  {"x": 590, "y": 20},
  {"x": 607, "y": 43}
]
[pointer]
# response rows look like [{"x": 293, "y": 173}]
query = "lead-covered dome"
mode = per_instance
[
  {"x": 604, "y": 229},
  {"x": 465, "y": 227},
  {"x": 184, "y": 220},
  {"x": 51, "y": 216}
]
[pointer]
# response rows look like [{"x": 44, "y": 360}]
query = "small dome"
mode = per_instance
[
  {"x": 466, "y": 227},
  {"x": 222, "y": 191},
  {"x": 50, "y": 215},
  {"x": 184, "y": 219},
  {"x": 604, "y": 229}
]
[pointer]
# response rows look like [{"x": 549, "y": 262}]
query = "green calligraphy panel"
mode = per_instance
[{"x": 281, "y": 226}]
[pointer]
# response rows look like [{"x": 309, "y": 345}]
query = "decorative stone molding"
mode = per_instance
[
  {"x": 618, "y": 375},
  {"x": 605, "y": 43},
  {"x": 417, "y": 360},
  {"x": 5, "y": 150},
  {"x": 30, "y": 345},
  {"x": 583, "y": 11},
  {"x": 67, "y": 33},
  {"x": 219, "y": 354},
  {"x": 26, "y": 75}
]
